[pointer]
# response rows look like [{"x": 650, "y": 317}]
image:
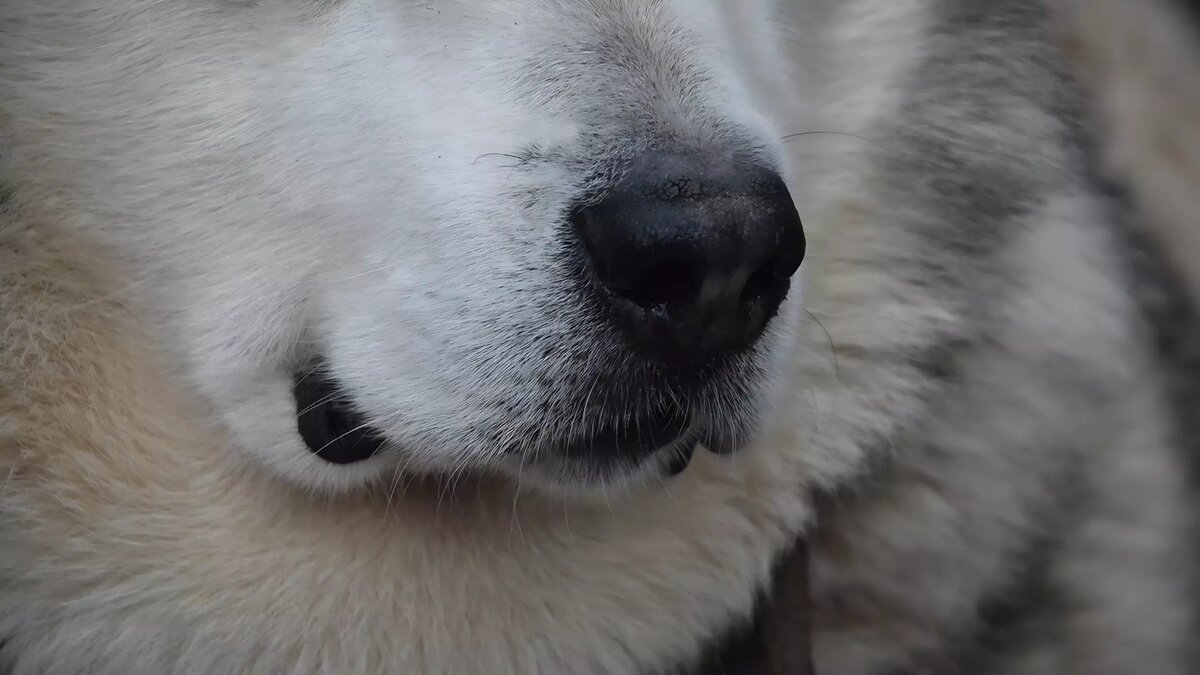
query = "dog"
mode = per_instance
[{"x": 524, "y": 336}]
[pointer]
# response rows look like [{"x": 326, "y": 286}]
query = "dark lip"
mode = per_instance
[
  {"x": 334, "y": 430},
  {"x": 671, "y": 445},
  {"x": 680, "y": 459},
  {"x": 633, "y": 439},
  {"x": 329, "y": 424}
]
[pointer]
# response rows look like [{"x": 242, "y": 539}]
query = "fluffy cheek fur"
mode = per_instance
[
  {"x": 382, "y": 183},
  {"x": 133, "y": 542}
]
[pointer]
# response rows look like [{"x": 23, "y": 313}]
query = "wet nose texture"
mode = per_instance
[{"x": 692, "y": 254}]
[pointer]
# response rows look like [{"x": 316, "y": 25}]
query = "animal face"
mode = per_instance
[{"x": 549, "y": 238}]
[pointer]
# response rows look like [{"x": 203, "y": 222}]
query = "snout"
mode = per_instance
[
  {"x": 691, "y": 255},
  {"x": 685, "y": 259}
]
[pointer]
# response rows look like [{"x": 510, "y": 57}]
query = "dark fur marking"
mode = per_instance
[
  {"x": 1173, "y": 320},
  {"x": 941, "y": 153},
  {"x": 977, "y": 191},
  {"x": 1192, "y": 9},
  {"x": 776, "y": 641}
]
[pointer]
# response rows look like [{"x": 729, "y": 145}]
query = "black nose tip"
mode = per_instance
[{"x": 692, "y": 255}]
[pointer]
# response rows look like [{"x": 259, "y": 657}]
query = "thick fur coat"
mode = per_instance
[
  {"x": 1138, "y": 62},
  {"x": 965, "y": 404}
]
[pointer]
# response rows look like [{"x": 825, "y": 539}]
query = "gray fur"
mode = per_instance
[
  {"x": 989, "y": 392},
  {"x": 1001, "y": 529}
]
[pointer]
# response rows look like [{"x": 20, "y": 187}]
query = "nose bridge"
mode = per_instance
[
  {"x": 656, "y": 61},
  {"x": 638, "y": 70},
  {"x": 721, "y": 176},
  {"x": 677, "y": 88}
]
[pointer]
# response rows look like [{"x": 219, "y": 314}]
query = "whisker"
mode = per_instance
[
  {"x": 792, "y": 137},
  {"x": 520, "y": 160},
  {"x": 514, "y": 515},
  {"x": 373, "y": 270},
  {"x": 837, "y": 365},
  {"x": 106, "y": 297},
  {"x": 397, "y": 476},
  {"x": 325, "y": 399},
  {"x": 341, "y": 436}
]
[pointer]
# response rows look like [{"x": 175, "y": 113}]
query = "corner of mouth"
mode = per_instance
[{"x": 328, "y": 422}]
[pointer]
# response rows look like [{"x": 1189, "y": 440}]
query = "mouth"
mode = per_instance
[
  {"x": 332, "y": 428},
  {"x": 632, "y": 439},
  {"x": 668, "y": 433},
  {"x": 661, "y": 440}
]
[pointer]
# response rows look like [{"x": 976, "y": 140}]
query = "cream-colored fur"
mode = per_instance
[
  {"x": 992, "y": 388},
  {"x": 202, "y": 191},
  {"x": 1140, "y": 61},
  {"x": 134, "y": 541}
]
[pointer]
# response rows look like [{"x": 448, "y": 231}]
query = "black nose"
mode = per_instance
[{"x": 692, "y": 255}]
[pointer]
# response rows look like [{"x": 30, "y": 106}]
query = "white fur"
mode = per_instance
[
  {"x": 277, "y": 178},
  {"x": 205, "y": 193},
  {"x": 135, "y": 542},
  {"x": 357, "y": 183}
]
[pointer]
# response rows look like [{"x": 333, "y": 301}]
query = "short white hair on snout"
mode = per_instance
[{"x": 382, "y": 227}]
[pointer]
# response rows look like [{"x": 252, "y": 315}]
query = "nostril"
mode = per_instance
[
  {"x": 667, "y": 282},
  {"x": 765, "y": 281},
  {"x": 785, "y": 267}
]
